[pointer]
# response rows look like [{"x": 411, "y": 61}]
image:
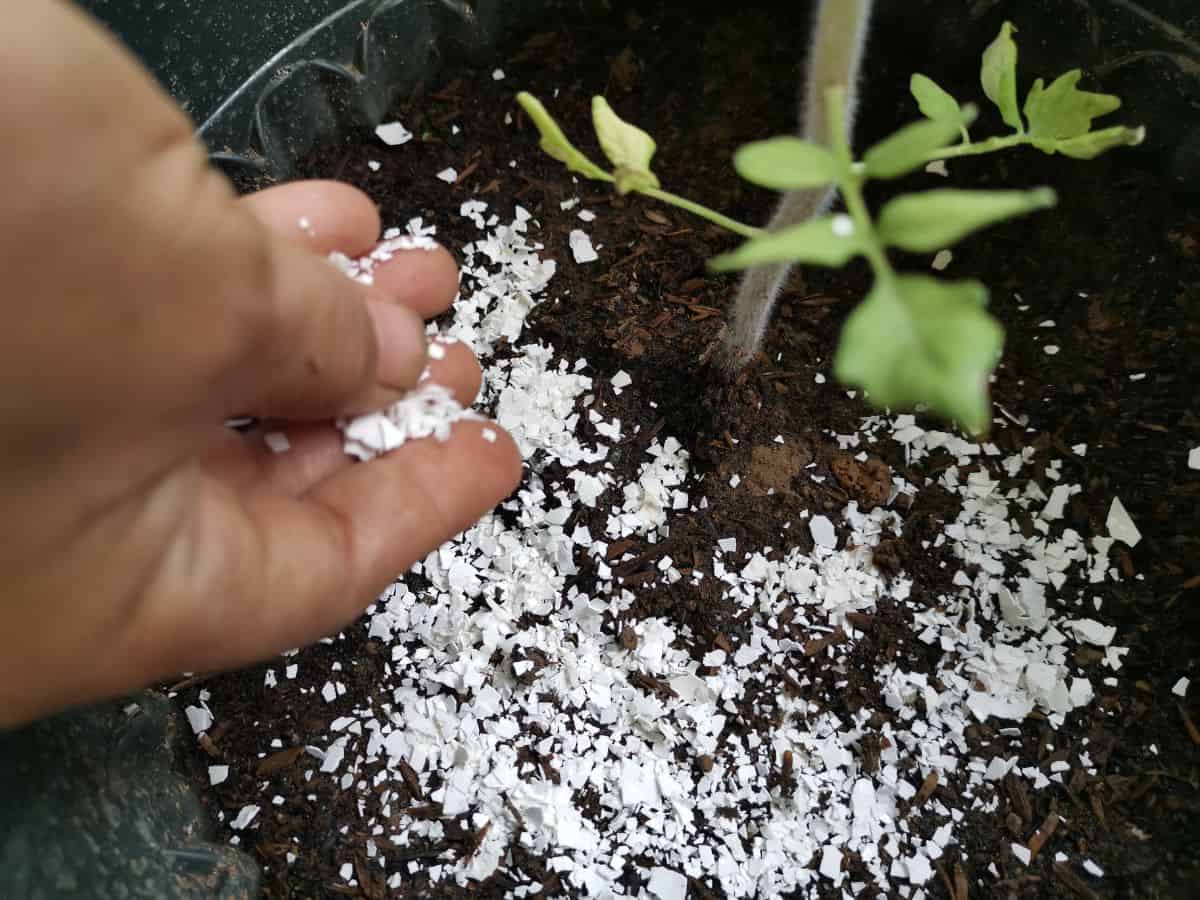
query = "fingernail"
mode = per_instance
[{"x": 403, "y": 349}]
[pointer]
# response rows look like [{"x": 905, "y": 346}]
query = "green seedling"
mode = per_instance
[{"x": 915, "y": 339}]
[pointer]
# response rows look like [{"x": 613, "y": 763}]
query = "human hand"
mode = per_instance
[{"x": 146, "y": 305}]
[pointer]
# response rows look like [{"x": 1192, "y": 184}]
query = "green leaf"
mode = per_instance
[
  {"x": 1064, "y": 111},
  {"x": 999, "y": 76},
  {"x": 933, "y": 220},
  {"x": 1092, "y": 144},
  {"x": 627, "y": 147},
  {"x": 786, "y": 164},
  {"x": 555, "y": 143},
  {"x": 827, "y": 241},
  {"x": 935, "y": 103},
  {"x": 909, "y": 148},
  {"x": 916, "y": 339}
]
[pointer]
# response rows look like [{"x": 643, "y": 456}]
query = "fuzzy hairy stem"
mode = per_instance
[{"x": 834, "y": 57}]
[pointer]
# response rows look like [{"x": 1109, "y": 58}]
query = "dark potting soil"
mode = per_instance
[{"x": 1116, "y": 267}]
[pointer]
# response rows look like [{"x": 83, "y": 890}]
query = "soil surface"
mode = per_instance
[{"x": 1115, "y": 267}]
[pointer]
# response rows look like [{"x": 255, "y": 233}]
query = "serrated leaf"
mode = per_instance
[
  {"x": 909, "y": 148},
  {"x": 555, "y": 143},
  {"x": 916, "y": 339},
  {"x": 999, "y": 76},
  {"x": 933, "y": 220},
  {"x": 1092, "y": 144},
  {"x": 934, "y": 102},
  {"x": 786, "y": 164},
  {"x": 1062, "y": 110},
  {"x": 827, "y": 241},
  {"x": 627, "y": 147}
]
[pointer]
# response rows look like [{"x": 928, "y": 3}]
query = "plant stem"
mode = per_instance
[
  {"x": 851, "y": 185},
  {"x": 747, "y": 231},
  {"x": 978, "y": 147}
]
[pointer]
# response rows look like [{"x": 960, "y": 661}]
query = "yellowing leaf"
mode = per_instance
[
  {"x": 627, "y": 147},
  {"x": 1092, "y": 144},
  {"x": 999, "y": 76},
  {"x": 555, "y": 143},
  {"x": 1064, "y": 111}
]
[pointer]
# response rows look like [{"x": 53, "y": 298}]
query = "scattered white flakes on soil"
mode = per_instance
[
  {"x": 667, "y": 884},
  {"x": 581, "y": 247},
  {"x": 1022, "y": 853},
  {"x": 1194, "y": 458},
  {"x": 831, "y": 864},
  {"x": 277, "y": 441},
  {"x": 516, "y": 679},
  {"x": 1180, "y": 688},
  {"x": 374, "y": 165},
  {"x": 1053, "y": 510},
  {"x": 941, "y": 260},
  {"x": 217, "y": 774},
  {"x": 1092, "y": 632},
  {"x": 1092, "y": 869},
  {"x": 393, "y": 134},
  {"x": 1120, "y": 526},
  {"x": 823, "y": 532},
  {"x": 200, "y": 718},
  {"x": 244, "y": 817},
  {"x": 448, "y": 175},
  {"x": 497, "y": 75},
  {"x": 1050, "y": 349},
  {"x": 620, "y": 381}
]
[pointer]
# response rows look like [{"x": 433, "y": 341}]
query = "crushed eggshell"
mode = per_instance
[
  {"x": 497, "y": 652},
  {"x": 393, "y": 134},
  {"x": 581, "y": 247},
  {"x": 1120, "y": 525}
]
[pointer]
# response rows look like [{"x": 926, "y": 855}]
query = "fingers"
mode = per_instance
[
  {"x": 258, "y": 573},
  {"x": 325, "y": 216},
  {"x": 321, "y": 363},
  {"x": 422, "y": 280},
  {"x": 451, "y": 363},
  {"x": 321, "y": 215},
  {"x": 305, "y": 454},
  {"x": 321, "y": 347}
]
